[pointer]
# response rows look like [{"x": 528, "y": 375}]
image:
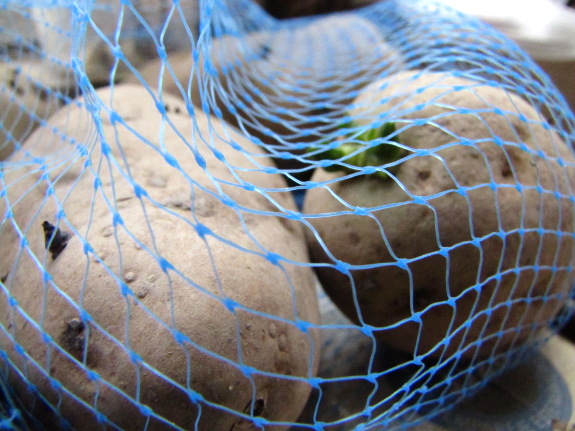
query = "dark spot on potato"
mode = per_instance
[
  {"x": 265, "y": 51},
  {"x": 4, "y": 277},
  {"x": 354, "y": 238},
  {"x": 423, "y": 175},
  {"x": 55, "y": 239},
  {"x": 184, "y": 205},
  {"x": 19, "y": 91},
  {"x": 177, "y": 110},
  {"x": 258, "y": 405},
  {"x": 283, "y": 366},
  {"x": 107, "y": 231},
  {"x": 42, "y": 93},
  {"x": 522, "y": 129},
  {"x": 506, "y": 170},
  {"x": 515, "y": 161},
  {"x": 123, "y": 199},
  {"x": 73, "y": 337},
  {"x": 283, "y": 344},
  {"x": 203, "y": 207}
]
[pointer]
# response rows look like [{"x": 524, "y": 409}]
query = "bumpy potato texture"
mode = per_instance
[
  {"x": 466, "y": 248},
  {"x": 151, "y": 291},
  {"x": 285, "y": 87}
]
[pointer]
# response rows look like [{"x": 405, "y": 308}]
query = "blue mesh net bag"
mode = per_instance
[{"x": 212, "y": 219}]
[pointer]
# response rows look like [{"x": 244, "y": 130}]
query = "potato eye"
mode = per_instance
[{"x": 259, "y": 406}]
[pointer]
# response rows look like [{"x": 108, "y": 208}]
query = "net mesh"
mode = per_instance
[{"x": 212, "y": 219}]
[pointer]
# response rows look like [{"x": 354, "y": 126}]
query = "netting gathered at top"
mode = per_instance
[{"x": 213, "y": 219}]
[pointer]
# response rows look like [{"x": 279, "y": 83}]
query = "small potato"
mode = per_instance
[
  {"x": 468, "y": 248},
  {"x": 286, "y": 87},
  {"x": 157, "y": 309}
]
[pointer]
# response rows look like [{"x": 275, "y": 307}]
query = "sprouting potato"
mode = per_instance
[{"x": 463, "y": 238}]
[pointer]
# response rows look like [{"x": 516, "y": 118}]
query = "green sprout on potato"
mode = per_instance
[{"x": 351, "y": 155}]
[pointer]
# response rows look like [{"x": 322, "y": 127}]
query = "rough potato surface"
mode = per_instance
[
  {"x": 161, "y": 303},
  {"x": 471, "y": 240}
]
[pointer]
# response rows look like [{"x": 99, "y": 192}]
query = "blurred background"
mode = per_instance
[{"x": 544, "y": 28}]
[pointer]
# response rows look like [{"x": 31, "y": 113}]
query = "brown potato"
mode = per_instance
[
  {"x": 471, "y": 240},
  {"x": 160, "y": 308}
]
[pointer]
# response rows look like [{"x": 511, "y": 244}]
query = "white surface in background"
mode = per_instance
[{"x": 544, "y": 28}]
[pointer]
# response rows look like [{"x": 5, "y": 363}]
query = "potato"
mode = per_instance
[
  {"x": 285, "y": 86},
  {"x": 468, "y": 247},
  {"x": 159, "y": 310}
]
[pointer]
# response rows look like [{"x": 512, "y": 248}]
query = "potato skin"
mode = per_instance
[
  {"x": 472, "y": 249},
  {"x": 212, "y": 297}
]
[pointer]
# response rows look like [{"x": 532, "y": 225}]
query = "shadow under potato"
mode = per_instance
[
  {"x": 568, "y": 331},
  {"x": 297, "y": 8},
  {"x": 403, "y": 393}
]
